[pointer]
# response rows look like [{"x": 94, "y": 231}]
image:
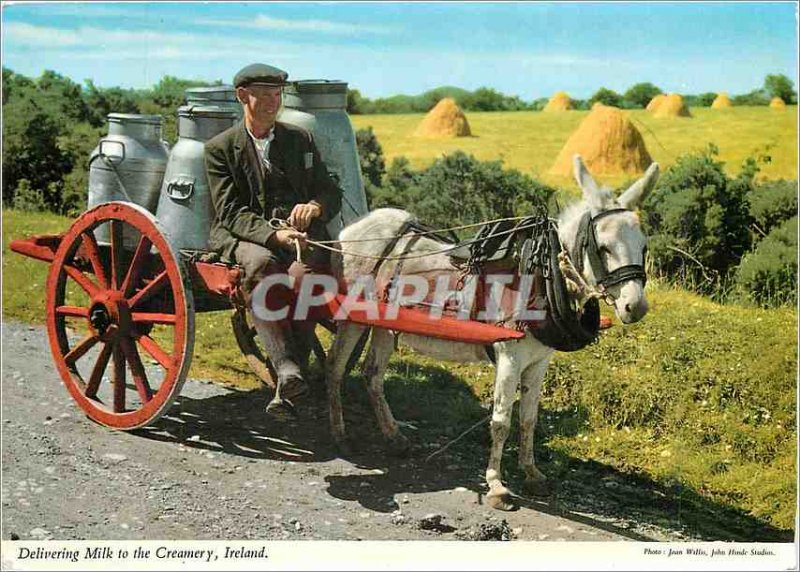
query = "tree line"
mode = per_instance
[
  {"x": 488, "y": 99},
  {"x": 51, "y": 124}
]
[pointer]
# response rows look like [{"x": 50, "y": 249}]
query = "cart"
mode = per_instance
[{"x": 128, "y": 305}]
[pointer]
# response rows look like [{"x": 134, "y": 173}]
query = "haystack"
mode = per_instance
[
  {"x": 656, "y": 102},
  {"x": 777, "y": 103},
  {"x": 559, "y": 102},
  {"x": 445, "y": 120},
  {"x": 672, "y": 106},
  {"x": 608, "y": 142},
  {"x": 721, "y": 101}
]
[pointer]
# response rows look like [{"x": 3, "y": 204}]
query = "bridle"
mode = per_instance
[{"x": 586, "y": 243}]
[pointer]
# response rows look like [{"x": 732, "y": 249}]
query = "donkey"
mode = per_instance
[{"x": 606, "y": 245}]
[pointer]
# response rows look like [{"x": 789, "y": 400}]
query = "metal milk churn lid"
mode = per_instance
[
  {"x": 127, "y": 165},
  {"x": 326, "y": 102},
  {"x": 223, "y": 96},
  {"x": 184, "y": 204}
]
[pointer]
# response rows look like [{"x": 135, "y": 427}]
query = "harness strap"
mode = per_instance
[
  {"x": 387, "y": 294},
  {"x": 390, "y": 246},
  {"x": 586, "y": 243},
  {"x": 420, "y": 231},
  {"x": 490, "y": 353}
]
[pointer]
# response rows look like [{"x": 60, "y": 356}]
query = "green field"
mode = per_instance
[
  {"x": 687, "y": 418},
  {"x": 530, "y": 141}
]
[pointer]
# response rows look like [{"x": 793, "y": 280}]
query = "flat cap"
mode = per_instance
[{"x": 260, "y": 74}]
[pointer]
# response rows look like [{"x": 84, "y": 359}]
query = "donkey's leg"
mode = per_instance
[
  {"x": 505, "y": 388},
  {"x": 344, "y": 342},
  {"x": 535, "y": 481},
  {"x": 374, "y": 369}
]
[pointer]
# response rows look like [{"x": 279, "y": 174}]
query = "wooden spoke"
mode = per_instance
[
  {"x": 136, "y": 267},
  {"x": 152, "y": 288},
  {"x": 153, "y": 318},
  {"x": 150, "y": 345},
  {"x": 137, "y": 369},
  {"x": 90, "y": 244},
  {"x": 116, "y": 253},
  {"x": 97, "y": 371},
  {"x": 73, "y": 311},
  {"x": 83, "y": 281},
  {"x": 143, "y": 288},
  {"x": 80, "y": 350},
  {"x": 119, "y": 379}
]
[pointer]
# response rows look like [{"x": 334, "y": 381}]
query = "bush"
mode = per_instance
[
  {"x": 26, "y": 198},
  {"x": 370, "y": 158},
  {"x": 773, "y": 202},
  {"x": 698, "y": 222},
  {"x": 606, "y": 97},
  {"x": 30, "y": 148},
  {"x": 459, "y": 189},
  {"x": 768, "y": 275},
  {"x": 700, "y": 100},
  {"x": 539, "y": 104},
  {"x": 778, "y": 85},
  {"x": 755, "y": 97},
  {"x": 639, "y": 95},
  {"x": 355, "y": 102}
]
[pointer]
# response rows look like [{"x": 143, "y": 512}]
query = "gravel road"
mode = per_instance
[{"x": 216, "y": 467}]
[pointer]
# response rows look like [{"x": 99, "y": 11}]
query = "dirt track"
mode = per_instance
[{"x": 217, "y": 468}]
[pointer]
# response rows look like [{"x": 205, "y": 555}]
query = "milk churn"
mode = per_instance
[
  {"x": 127, "y": 165},
  {"x": 320, "y": 107},
  {"x": 184, "y": 205},
  {"x": 222, "y": 96}
]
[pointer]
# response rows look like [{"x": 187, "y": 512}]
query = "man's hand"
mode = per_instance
[
  {"x": 302, "y": 215},
  {"x": 285, "y": 239}
]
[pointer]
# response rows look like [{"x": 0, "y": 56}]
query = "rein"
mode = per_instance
[
  {"x": 567, "y": 327},
  {"x": 281, "y": 224}
]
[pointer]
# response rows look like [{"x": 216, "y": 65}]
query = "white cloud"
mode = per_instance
[
  {"x": 96, "y": 10},
  {"x": 89, "y": 42},
  {"x": 263, "y": 22},
  {"x": 21, "y": 34}
]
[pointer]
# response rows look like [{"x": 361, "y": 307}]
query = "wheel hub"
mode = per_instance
[
  {"x": 99, "y": 318},
  {"x": 109, "y": 314}
]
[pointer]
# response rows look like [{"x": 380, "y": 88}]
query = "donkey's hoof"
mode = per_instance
[
  {"x": 501, "y": 500},
  {"x": 538, "y": 487},
  {"x": 398, "y": 446},
  {"x": 281, "y": 410}
]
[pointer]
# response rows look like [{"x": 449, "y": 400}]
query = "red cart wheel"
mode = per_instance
[{"x": 139, "y": 299}]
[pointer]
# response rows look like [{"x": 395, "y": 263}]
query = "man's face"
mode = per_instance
[{"x": 261, "y": 102}]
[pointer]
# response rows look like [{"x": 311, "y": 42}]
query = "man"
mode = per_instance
[{"x": 258, "y": 170}]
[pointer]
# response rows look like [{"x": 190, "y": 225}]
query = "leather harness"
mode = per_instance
[
  {"x": 565, "y": 328},
  {"x": 586, "y": 243}
]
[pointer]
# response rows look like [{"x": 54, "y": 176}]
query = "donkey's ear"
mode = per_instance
[
  {"x": 585, "y": 180},
  {"x": 638, "y": 191}
]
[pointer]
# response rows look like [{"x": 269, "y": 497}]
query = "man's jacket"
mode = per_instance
[{"x": 245, "y": 198}]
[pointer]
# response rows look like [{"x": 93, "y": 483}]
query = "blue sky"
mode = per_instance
[{"x": 525, "y": 49}]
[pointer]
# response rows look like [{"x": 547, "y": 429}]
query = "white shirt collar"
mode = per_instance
[{"x": 270, "y": 136}]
